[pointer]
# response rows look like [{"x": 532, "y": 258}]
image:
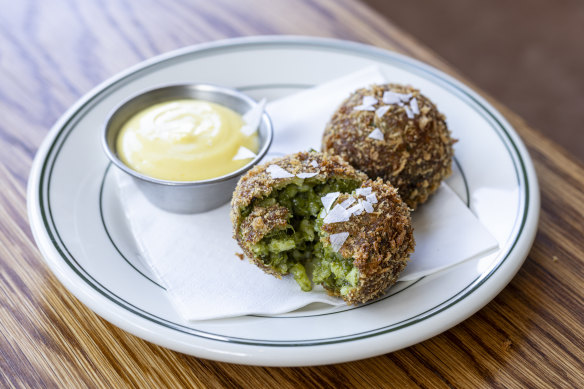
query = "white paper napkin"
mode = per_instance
[{"x": 193, "y": 256}]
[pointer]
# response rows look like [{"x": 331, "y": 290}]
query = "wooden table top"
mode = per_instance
[{"x": 51, "y": 53}]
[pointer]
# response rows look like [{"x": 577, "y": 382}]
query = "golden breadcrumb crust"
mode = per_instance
[{"x": 415, "y": 154}]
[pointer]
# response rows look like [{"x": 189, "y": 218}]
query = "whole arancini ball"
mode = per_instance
[{"x": 395, "y": 133}]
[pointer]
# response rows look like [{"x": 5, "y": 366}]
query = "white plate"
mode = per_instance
[{"x": 78, "y": 225}]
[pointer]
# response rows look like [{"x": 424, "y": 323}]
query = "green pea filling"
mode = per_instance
[
  {"x": 332, "y": 270},
  {"x": 297, "y": 246}
]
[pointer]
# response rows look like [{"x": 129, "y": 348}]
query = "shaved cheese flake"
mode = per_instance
[
  {"x": 371, "y": 198},
  {"x": 367, "y": 104},
  {"x": 348, "y": 202},
  {"x": 306, "y": 175},
  {"x": 414, "y": 106},
  {"x": 390, "y": 97},
  {"x": 328, "y": 200},
  {"x": 369, "y": 100},
  {"x": 244, "y": 153},
  {"x": 376, "y": 134},
  {"x": 337, "y": 240},
  {"x": 252, "y": 118},
  {"x": 368, "y": 207},
  {"x": 363, "y": 191},
  {"x": 382, "y": 110},
  {"x": 313, "y": 163},
  {"x": 277, "y": 172},
  {"x": 409, "y": 112},
  {"x": 336, "y": 215},
  {"x": 356, "y": 209}
]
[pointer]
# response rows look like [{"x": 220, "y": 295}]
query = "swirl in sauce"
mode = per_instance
[{"x": 185, "y": 140}]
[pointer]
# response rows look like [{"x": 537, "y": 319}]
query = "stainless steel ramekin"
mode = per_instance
[{"x": 185, "y": 196}]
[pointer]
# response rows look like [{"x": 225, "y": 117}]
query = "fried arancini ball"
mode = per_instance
[
  {"x": 395, "y": 133},
  {"x": 310, "y": 211}
]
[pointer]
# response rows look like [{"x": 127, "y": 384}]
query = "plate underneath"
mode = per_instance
[{"x": 78, "y": 225}]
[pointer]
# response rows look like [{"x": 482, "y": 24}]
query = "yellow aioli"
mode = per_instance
[{"x": 184, "y": 140}]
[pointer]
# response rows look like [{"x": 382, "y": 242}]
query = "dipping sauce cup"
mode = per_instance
[{"x": 185, "y": 196}]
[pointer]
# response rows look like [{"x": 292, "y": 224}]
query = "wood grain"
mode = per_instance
[{"x": 51, "y": 53}]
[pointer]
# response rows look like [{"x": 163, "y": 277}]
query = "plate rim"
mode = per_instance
[{"x": 527, "y": 232}]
